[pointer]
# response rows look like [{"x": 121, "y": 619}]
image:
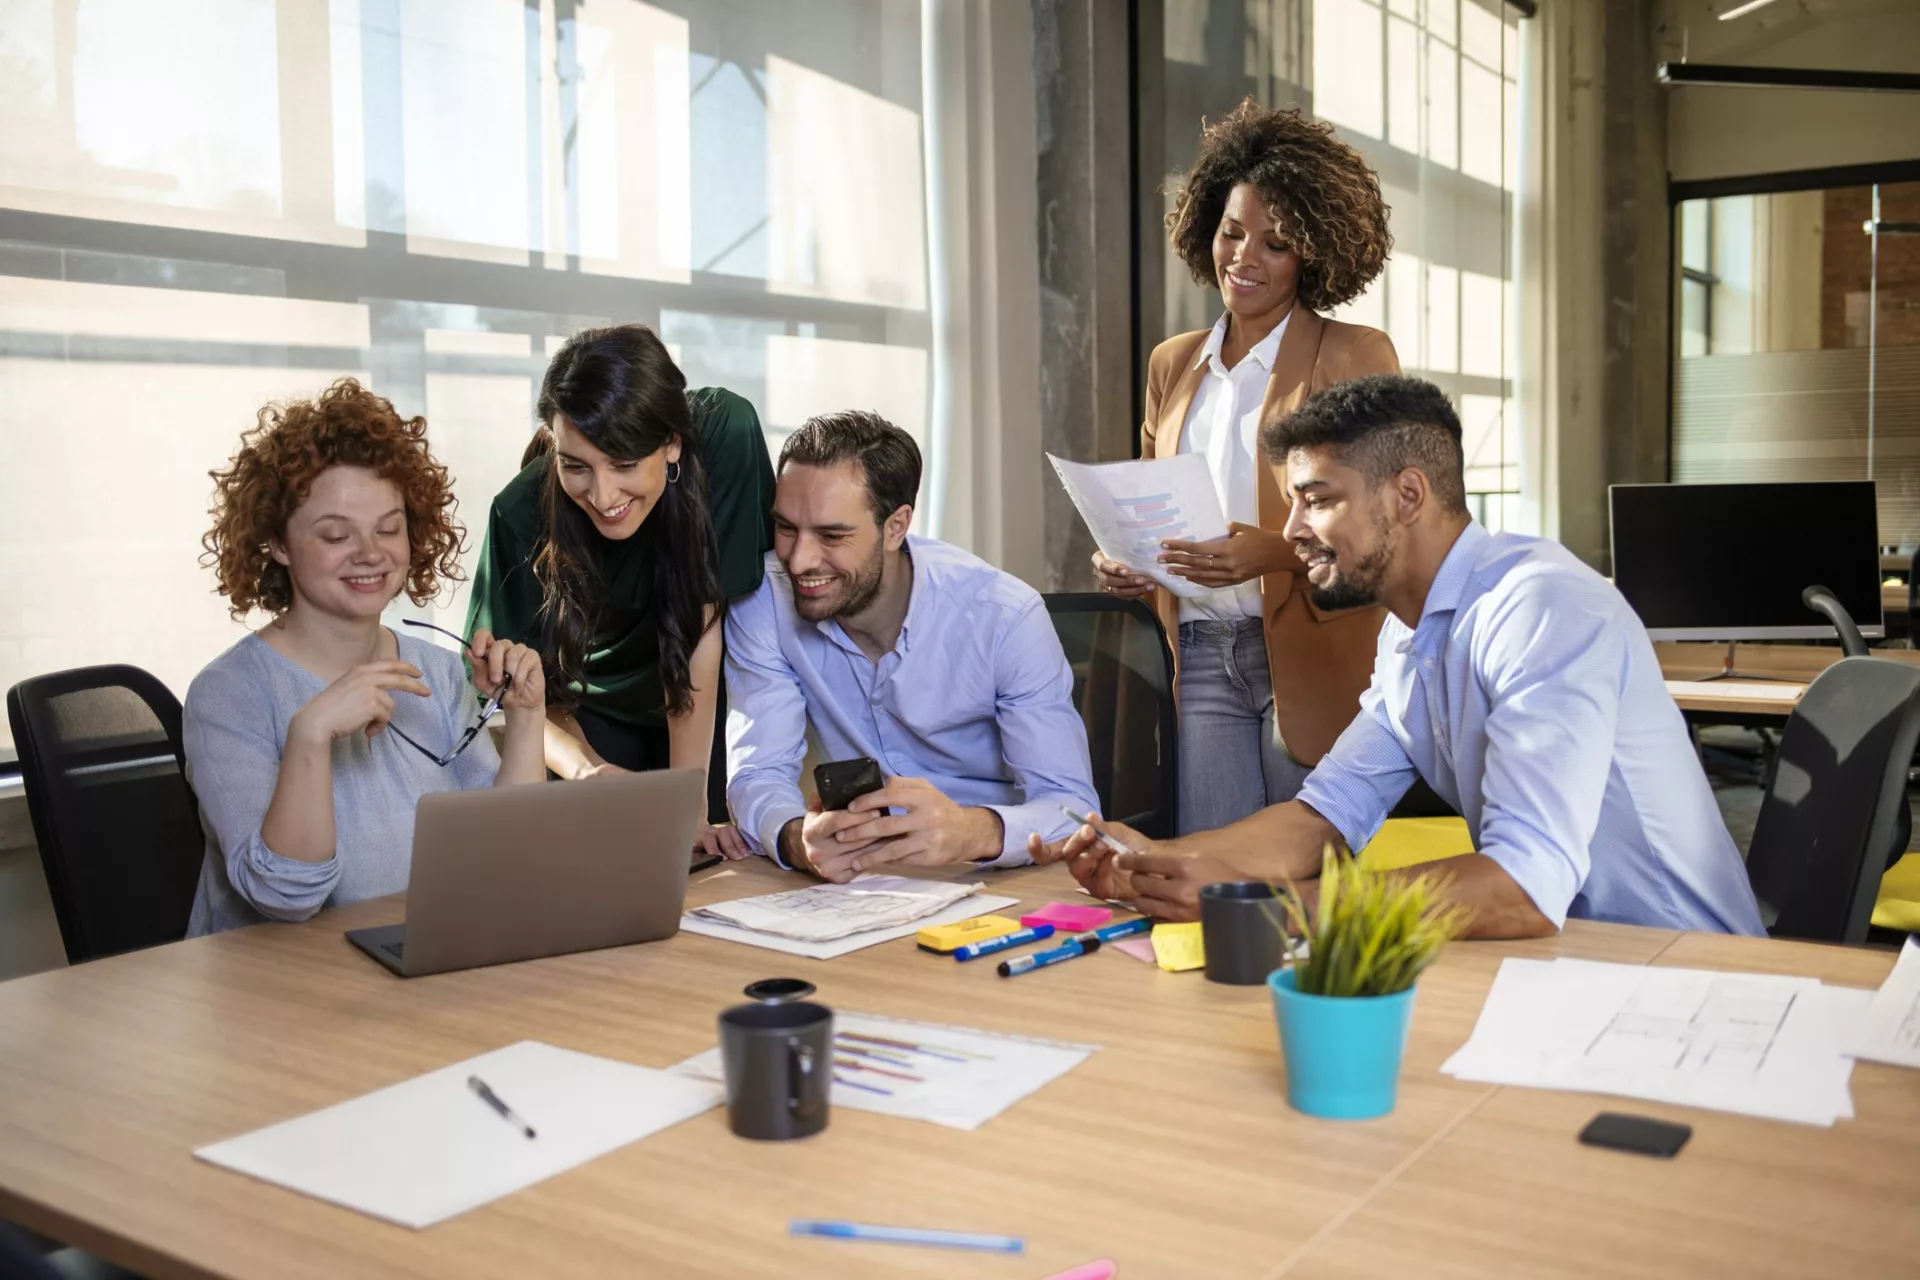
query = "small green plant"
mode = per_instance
[{"x": 1368, "y": 934}]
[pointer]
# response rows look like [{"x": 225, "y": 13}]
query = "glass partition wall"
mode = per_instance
[
  {"x": 1798, "y": 343},
  {"x": 1427, "y": 91}
]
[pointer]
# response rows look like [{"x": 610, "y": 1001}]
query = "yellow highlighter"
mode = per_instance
[{"x": 944, "y": 939}]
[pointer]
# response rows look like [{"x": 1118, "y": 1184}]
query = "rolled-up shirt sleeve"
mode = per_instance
[
  {"x": 1357, "y": 783},
  {"x": 1042, "y": 737},
  {"x": 766, "y": 724},
  {"x": 233, "y": 763},
  {"x": 1550, "y": 740}
]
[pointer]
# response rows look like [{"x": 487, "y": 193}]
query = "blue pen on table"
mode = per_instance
[
  {"x": 907, "y": 1235},
  {"x": 987, "y": 946},
  {"x": 1123, "y": 929},
  {"x": 1079, "y": 944}
]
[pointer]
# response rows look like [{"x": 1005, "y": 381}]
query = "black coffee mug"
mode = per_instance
[
  {"x": 779, "y": 1067},
  {"x": 778, "y": 990},
  {"x": 1240, "y": 925}
]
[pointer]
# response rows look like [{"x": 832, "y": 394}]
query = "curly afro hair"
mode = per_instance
[
  {"x": 1323, "y": 194},
  {"x": 287, "y": 449}
]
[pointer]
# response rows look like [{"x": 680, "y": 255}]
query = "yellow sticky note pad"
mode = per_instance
[
  {"x": 944, "y": 938},
  {"x": 1178, "y": 947}
]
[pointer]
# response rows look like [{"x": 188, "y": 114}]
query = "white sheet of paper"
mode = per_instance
[
  {"x": 429, "y": 1148},
  {"x": 828, "y": 912},
  {"x": 1130, "y": 506},
  {"x": 980, "y": 904},
  {"x": 1737, "y": 689},
  {"x": 992, "y": 1072},
  {"x": 1890, "y": 1032},
  {"x": 1757, "y": 1044}
]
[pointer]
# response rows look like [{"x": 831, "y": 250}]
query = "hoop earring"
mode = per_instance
[{"x": 673, "y": 473}]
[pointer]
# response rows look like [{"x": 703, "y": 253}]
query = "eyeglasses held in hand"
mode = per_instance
[{"x": 487, "y": 711}]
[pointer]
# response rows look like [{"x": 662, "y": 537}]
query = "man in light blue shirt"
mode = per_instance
[
  {"x": 1509, "y": 675},
  {"x": 930, "y": 661}
]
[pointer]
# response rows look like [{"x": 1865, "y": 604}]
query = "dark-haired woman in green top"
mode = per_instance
[{"x": 642, "y": 508}]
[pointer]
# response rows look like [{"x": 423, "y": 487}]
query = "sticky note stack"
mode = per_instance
[
  {"x": 1066, "y": 918},
  {"x": 1178, "y": 947}
]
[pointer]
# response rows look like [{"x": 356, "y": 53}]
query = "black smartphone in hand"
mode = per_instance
[{"x": 841, "y": 782}]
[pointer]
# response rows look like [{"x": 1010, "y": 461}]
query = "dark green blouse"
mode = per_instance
[{"x": 622, "y": 669}]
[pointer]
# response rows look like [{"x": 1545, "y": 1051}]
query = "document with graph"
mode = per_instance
[
  {"x": 1758, "y": 1044},
  {"x": 1130, "y": 506}
]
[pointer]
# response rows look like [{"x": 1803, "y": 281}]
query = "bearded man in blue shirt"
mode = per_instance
[
  {"x": 940, "y": 667},
  {"x": 1510, "y": 676}
]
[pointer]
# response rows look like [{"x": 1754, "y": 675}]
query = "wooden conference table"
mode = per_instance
[{"x": 1171, "y": 1150}]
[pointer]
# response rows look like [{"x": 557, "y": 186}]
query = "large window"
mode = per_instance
[
  {"x": 208, "y": 204},
  {"x": 1426, "y": 89},
  {"x": 1797, "y": 349}
]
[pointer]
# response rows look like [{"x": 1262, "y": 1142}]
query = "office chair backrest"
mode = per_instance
[
  {"x": 118, "y": 826},
  {"x": 1826, "y": 604},
  {"x": 1836, "y": 813},
  {"x": 1123, "y": 687}
]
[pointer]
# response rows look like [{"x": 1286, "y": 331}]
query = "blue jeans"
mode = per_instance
[{"x": 1232, "y": 762}]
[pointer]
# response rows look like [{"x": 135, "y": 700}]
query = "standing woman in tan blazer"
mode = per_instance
[{"x": 1286, "y": 221}]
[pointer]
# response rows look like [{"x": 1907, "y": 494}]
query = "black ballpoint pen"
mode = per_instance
[{"x": 492, "y": 1099}]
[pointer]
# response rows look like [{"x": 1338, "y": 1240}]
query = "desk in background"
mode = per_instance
[
  {"x": 1171, "y": 1150},
  {"x": 1793, "y": 663}
]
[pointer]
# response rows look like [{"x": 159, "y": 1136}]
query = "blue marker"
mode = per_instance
[
  {"x": 1079, "y": 945},
  {"x": 1125, "y": 929},
  {"x": 986, "y": 947},
  {"x": 907, "y": 1235}
]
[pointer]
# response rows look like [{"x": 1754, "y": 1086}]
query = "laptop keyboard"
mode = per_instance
[{"x": 398, "y": 950}]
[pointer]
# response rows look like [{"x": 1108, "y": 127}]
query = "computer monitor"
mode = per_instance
[{"x": 1729, "y": 561}]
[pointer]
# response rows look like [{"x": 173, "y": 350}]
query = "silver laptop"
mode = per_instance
[{"x": 517, "y": 873}]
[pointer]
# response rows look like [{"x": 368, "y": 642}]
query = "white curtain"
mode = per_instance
[{"x": 985, "y": 468}]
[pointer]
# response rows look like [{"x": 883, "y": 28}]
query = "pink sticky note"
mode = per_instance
[
  {"x": 1067, "y": 918},
  {"x": 1138, "y": 948}
]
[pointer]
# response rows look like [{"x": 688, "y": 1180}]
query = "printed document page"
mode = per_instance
[
  {"x": 1891, "y": 1030},
  {"x": 428, "y": 1148},
  {"x": 1130, "y": 506}
]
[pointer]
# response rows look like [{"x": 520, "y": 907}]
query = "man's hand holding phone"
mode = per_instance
[{"x": 813, "y": 843}]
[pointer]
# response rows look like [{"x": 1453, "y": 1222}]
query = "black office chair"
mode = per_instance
[
  {"x": 1825, "y": 603},
  {"x": 1835, "y": 813},
  {"x": 1123, "y": 688},
  {"x": 118, "y": 826}
]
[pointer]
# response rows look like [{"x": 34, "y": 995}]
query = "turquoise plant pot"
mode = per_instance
[{"x": 1342, "y": 1052}]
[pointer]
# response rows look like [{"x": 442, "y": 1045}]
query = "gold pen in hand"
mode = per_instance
[{"x": 492, "y": 1099}]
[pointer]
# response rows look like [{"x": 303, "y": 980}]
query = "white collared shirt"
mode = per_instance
[{"x": 1223, "y": 423}]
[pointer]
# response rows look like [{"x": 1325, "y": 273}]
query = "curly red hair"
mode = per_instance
[{"x": 287, "y": 449}]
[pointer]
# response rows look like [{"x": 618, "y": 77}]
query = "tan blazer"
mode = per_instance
[{"x": 1321, "y": 661}]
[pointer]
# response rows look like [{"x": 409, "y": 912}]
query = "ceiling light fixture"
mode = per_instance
[{"x": 1742, "y": 10}]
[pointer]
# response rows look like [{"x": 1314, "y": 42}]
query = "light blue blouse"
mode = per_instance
[{"x": 234, "y": 730}]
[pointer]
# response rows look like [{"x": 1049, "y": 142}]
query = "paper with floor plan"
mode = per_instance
[
  {"x": 960, "y": 1077},
  {"x": 965, "y": 909},
  {"x": 1891, "y": 1030},
  {"x": 1130, "y": 506},
  {"x": 827, "y": 912},
  {"x": 1757, "y": 1044},
  {"x": 428, "y": 1148}
]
